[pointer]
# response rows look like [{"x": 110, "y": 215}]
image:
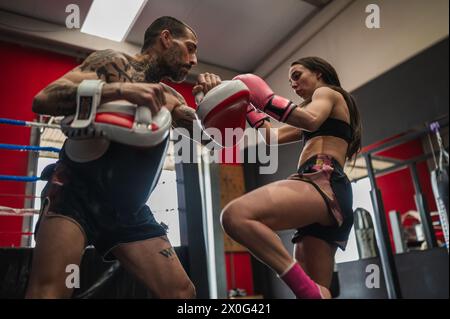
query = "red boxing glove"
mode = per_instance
[
  {"x": 263, "y": 98},
  {"x": 255, "y": 117}
]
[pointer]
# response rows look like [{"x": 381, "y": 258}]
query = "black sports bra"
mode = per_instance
[{"x": 331, "y": 127}]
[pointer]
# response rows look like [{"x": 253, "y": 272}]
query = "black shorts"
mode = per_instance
[
  {"x": 328, "y": 177},
  {"x": 107, "y": 197}
]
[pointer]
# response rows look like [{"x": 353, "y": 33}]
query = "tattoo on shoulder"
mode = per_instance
[{"x": 110, "y": 66}]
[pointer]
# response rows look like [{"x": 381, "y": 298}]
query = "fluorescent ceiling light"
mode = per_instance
[{"x": 112, "y": 19}]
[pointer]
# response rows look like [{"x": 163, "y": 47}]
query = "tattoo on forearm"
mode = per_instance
[
  {"x": 168, "y": 252},
  {"x": 174, "y": 92},
  {"x": 63, "y": 96},
  {"x": 119, "y": 91},
  {"x": 184, "y": 116}
]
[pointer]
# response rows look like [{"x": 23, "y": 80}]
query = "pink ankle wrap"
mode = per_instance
[{"x": 300, "y": 283}]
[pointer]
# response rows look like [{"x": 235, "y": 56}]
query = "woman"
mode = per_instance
[{"x": 318, "y": 199}]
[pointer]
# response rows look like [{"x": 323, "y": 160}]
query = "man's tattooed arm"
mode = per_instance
[
  {"x": 110, "y": 66},
  {"x": 182, "y": 114},
  {"x": 59, "y": 98}
]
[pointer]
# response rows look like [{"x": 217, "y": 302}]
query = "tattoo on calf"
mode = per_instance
[{"x": 168, "y": 252}]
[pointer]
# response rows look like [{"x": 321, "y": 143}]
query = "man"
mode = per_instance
[{"x": 102, "y": 202}]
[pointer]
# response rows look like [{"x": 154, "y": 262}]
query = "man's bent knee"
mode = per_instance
[
  {"x": 47, "y": 292},
  {"x": 186, "y": 291}
]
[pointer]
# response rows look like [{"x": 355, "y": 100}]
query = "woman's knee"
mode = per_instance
[{"x": 233, "y": 215}]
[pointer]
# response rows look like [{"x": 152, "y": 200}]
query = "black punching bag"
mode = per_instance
[
  {"x": 439, "y": 182},
  {"x": 365, "y": 234}
]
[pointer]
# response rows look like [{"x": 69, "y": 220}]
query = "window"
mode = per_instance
[{"x": 361, "y": 198}]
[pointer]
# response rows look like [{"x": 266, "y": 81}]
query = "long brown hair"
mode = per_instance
[{"x": 330, "y": 77}]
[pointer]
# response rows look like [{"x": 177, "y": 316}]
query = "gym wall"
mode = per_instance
[
  {"x": 411, "y": 30},
  {"x": 359, "y": 54},
  {"x": 17, "y": 91}
]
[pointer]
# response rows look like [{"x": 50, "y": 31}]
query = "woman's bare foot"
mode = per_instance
[{"x": 325, "y": 292}]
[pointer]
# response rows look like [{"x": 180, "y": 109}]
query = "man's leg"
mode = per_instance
[
  {"x": 60, "y": 242},
  {"x": 155, "y": 263}
]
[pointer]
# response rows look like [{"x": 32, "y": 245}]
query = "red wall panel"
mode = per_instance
[
  {"x": 25, "y": 72},
  {"x": 184, "y": 89},
  {"x": 239, "y": 271},
  {"x": 397, "y": 188}
]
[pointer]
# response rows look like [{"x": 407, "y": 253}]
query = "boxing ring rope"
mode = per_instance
[
  {"x": 29, "y": 212},
  {"x": 28, "y": 123},
  {"x": 24, "y": 212},
  {"x": 30, "y": 148},
  {"x": 14, "y": 178},
  {"x": 9, "y": 211},
  {"x": 19, "y": 195}
]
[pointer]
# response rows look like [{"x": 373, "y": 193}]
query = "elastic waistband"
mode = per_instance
[{"x": 320, "y": 159}]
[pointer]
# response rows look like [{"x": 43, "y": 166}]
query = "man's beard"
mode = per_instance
[
  {"x": 178, "y": 73},
  {"x": 167, "y": 66},
  {"x": 172, "y": 67}
]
